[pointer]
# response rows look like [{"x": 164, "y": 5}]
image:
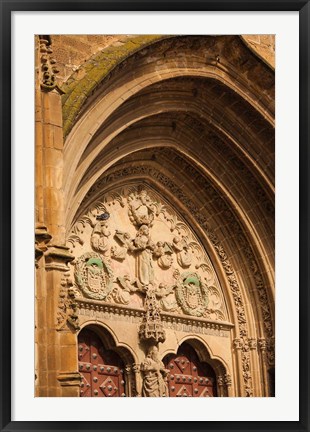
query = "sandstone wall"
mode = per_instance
[{"x": 71, "y": 51}]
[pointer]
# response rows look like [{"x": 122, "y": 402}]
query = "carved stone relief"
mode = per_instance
[
  {"x": 67, "y": 316},
  {"x": 201, "y": 218},
  {"x": 93, "y": 275},
  {"x": 132, "y": 244}
]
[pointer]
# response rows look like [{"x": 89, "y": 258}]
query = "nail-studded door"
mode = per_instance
[
  {"x": 102, "y": 370},
  {"x": 188, "y": 376}
]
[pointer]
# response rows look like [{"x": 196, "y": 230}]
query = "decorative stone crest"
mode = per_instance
[
  {"x": 192, "y": 294},
  {"x": 93, "y": 276}
]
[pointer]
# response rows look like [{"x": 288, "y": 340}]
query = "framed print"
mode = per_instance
[{"x": 156, "y": 158}]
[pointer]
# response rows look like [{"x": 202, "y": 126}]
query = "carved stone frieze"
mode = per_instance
[{"x": 67, "y": 316}]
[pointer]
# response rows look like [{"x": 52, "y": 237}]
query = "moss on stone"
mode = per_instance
[{"x": 94, "y": 71}]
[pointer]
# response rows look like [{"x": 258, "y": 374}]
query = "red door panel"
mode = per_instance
[
  {"x": 102, "y": 370},
  {"x": 188, "y": 376}
]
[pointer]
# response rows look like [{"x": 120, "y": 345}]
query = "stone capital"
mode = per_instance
[
  {"x": 57, "y": 257},
  {"x": 42, "y": 237}
]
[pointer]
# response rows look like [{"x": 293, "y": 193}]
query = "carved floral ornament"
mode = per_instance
[{"x": 132, "y": 244}]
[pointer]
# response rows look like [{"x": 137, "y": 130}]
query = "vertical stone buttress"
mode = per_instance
[{"x": 56, "y": 368}]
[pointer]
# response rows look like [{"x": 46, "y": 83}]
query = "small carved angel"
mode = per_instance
[
  {"x": 100, "y": 238},
  {"x": 141, "y": 209},
  {"x": 122, "y": 293},
  {"x": 126, "y": 242},
  {"x": 162, "y": 293},
  {"x": 163, "y": 253},
  {"x": 182, "y": 249}
]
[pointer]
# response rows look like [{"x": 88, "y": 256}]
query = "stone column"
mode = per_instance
[
  {"x": 220, "y": 384},
  {"x": 262, "y": 345},
  {"x": 137, "y": 378},
  {"x": 256, "y": 370},
  {"x": 56, "y": 345},
  {"x": 227, "y": 380},
  {"x": 237, "y": 344}
]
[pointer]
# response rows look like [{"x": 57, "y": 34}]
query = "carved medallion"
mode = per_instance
[{"x": 94, "y": 276}]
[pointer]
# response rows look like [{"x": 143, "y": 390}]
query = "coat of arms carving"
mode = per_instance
[
  {"x": 94, "y": 276},
  {"x": 192, "y": 294}
]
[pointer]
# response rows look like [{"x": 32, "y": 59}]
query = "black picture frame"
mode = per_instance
[{"x": 7, "y": 7}]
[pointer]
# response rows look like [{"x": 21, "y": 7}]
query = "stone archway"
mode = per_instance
[{"x": 196, "y": 128}]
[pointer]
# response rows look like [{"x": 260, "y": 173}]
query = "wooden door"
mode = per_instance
[
  {"x": 188, "y": 376},
  {"x": 102, "y": 370}
]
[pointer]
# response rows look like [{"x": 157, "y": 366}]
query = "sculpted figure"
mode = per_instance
[
  {"x": 100, "y": 238},
  {"x": 162, "y": 293},
  {"x": 144, "y": 247},
  {"x": 154, "y": 372},
  {"x": 184, "y": 257},
  {"x": 163, "y": 253},
  {"x": 140, "y": 208},
  {"x": 122, "y": 294},
  {"x": 126, "y": 242}
]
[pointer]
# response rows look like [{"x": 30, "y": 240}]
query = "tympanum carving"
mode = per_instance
[{"x": 132, "y": 245}]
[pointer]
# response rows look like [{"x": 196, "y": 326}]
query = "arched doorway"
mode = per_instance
[
  {"x": 189, "y": 377},
  {"x": 102, "y": 370}
]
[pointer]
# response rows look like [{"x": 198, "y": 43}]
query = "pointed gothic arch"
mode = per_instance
[{"x": 189, "y": 120}]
